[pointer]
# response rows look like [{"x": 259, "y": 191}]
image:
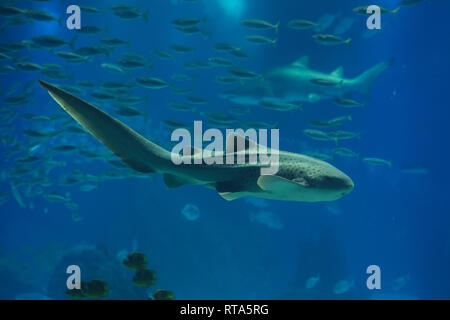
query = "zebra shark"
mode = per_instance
[{"x": 299, "y": 177}]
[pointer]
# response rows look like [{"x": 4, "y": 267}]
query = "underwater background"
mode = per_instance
[{"x": 65, "y": 199}]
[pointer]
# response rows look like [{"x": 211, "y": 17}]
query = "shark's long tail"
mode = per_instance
[
  {"x": 365, "y": 80},
  {"x": 139, "y": 153}
]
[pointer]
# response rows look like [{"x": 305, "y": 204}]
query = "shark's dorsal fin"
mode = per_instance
[
  {"x": 302, "y": 62},
  {"x": 338, "y": 72},
  {"x": 237, "y": 143}
]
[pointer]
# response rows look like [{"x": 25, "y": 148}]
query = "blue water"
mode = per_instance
[{"x": 392, "y": 219}]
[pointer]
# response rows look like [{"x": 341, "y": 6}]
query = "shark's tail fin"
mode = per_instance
[
  {"x": 365, "y": 80},
  {"x": 139, "y": 153}
]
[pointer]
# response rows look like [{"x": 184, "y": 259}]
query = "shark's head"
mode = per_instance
[
  {"x": 302, "y": 178},
  {"x": 325, "y": 182}
]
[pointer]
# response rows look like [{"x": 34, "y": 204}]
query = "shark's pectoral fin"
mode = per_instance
[
  {"x": 277, "y": 184},
  {"x": 230, "y": 196},
  {"x": 230, "y": 190}
]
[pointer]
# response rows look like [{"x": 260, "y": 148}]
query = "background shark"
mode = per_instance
[{"x": 297, "y": 83}]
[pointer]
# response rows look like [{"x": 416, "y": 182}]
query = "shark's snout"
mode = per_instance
[
  {"x": 339, "y": 183},
  {"x": 348, "y": 185},
  {"x": 332, "y": 184}
]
